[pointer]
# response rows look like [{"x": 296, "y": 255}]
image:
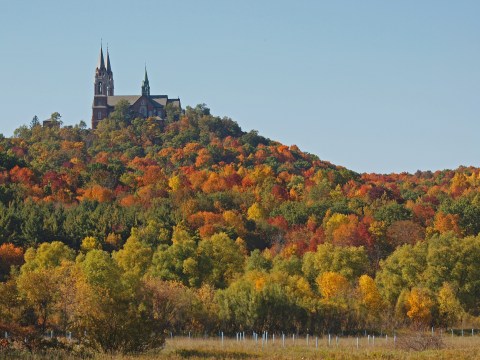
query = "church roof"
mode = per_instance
[
  {"x": 161, "y": 100},
  {"x": 175, "y": 102},
  {"x": 114, "y": 100}
]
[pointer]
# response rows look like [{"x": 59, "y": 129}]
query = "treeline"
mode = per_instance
[
  {"x": 230, "y": 229},
  {"x": 129, "y": 299}
]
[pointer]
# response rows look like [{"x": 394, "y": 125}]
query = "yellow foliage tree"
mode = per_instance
[
  {"x": 255, "y": 212},
  {"x": 369, "y": 294},
  {"x": 378, "y": 229},
  {"x": 39, "y": 289},
  {"x": 450, "y": 309},
  {"x": 459, "y": 184},
  {"x": 174, "y": 183},
  {"x": 261, "y": 173},
  {"x": 332, "y": 285},
  {"x": 135, "y": 256},
  {"x": 90, "y": 243},
  {"x": 419, "y": 305}
]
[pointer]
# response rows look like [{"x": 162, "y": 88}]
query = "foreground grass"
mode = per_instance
[{"x": 185, "y": 348}]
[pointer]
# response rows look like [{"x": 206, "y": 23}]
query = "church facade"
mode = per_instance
[{"x": 105, "y": 100}]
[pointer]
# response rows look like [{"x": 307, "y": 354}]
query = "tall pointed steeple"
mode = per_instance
[
  {"x": 101, "y": 62},
  {"x": 145, "y": 84},
  {"x": 109, "y": 67}
]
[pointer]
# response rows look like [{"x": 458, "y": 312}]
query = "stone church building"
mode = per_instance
[{"x": 104, "y": 100}]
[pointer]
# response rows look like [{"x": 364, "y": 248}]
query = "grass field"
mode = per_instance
[
  {"x": 457, "y": 347},
  {"x": 382, "y": 348}
]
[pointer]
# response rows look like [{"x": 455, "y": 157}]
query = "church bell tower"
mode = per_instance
[
  {"x": 145, "y": 84},
  {"x": 103, "y": 87}
]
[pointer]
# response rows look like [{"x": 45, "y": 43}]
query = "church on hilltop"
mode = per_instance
[{"x": 104, "y": 99}]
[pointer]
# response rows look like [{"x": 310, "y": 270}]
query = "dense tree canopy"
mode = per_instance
[{"x": 193, "y": 224}]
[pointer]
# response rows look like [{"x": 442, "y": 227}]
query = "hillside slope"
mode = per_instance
[
  {"x": 209, "y": 175},
  {"x": 230, "y": 229}
]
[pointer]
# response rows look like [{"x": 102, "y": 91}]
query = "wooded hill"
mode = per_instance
[{"x": 236, "y": 230}]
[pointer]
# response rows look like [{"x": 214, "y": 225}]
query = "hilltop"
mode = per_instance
[
  {"x": 207, "y": 174},
  {"x": 203, "y": 171}
]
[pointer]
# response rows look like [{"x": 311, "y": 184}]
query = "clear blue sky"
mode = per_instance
[{"x": 373, "y": 85}]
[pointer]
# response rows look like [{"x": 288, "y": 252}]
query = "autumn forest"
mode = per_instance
[{"x": 123, "y": 234}]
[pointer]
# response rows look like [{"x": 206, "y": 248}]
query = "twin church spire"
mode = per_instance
[
  {"x": 105, "y": 71},
  {"x": 104, "y": 76},
  {"x": 101, "y": 62}
]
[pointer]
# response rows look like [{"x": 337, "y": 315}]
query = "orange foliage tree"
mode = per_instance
[
  {"x": 10, "y": 255},
  {"x": 447, "y": 222},
  {"x": 98, "y": 193}
]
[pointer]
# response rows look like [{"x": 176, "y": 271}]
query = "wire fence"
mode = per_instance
[{"x": 266, "y": 340}]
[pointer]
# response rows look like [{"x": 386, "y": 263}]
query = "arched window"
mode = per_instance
[
  {"x": 99, "y": 115},
  {"x": 99, "y": 87}
]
